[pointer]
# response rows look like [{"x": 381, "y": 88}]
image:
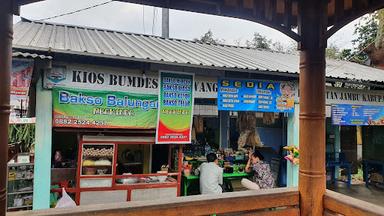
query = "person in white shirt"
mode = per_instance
[{"x": 211, "y": 176}]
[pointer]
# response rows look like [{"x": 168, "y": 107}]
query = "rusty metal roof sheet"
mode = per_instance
[{"x": 30, "y": 55}]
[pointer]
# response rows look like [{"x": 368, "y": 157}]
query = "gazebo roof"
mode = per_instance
[
  {"x": 279, "y": 14},
  {"x": 283, "y": 15},
  {"x": 93, "y": 42}
]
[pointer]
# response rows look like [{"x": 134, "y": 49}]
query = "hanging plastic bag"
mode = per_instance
[{"x": 65, "y": 201}]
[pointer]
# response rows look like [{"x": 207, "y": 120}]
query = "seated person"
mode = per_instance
[
  {"x": 211, "y": 176},
  {"x": 262, "y": 178}
]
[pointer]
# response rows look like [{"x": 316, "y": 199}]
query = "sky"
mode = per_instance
[{"x": 135, "y": 18}]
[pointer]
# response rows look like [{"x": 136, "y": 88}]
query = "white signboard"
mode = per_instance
[
  {"x": 94, "y": 78},
  {"x": 22, "y": 120},
  {"x": 106, "y": 78},
  {"x": 354, "y": 96}
]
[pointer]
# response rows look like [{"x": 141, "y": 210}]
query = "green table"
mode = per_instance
[{"x": 187, "y": 180}]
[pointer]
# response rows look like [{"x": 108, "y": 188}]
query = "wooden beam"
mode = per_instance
[
  {"x": 192, "y": 205},
  {"x": 278, "y": 212},
  {"x": 259, "y": 8},
  {"x": 295, "y": 8},
  {"x": 347, "y": 4},
  {"x": 331, "y": 8},
  {"x": 355, "y": 13},
  {"x": 346, "y": 205},
  {"x": 232, "y": 8},
  {"x": 280, "y": 6},
  {"x": 268, "y": 10},
  {"x": 339, "y": 10},
  {"x": 248, "y": 4},
  {"x": 356, "y": 5},
  {"x": 15, "y": 8},
  {"x": 258, "y": 15},
  {"x": 231, "y": 3},
  {"x": 6, "y": 33},
  {"x": 287, "y": 13},
  {"x": 312, "y": 27},
  {"x": 273, "y": 9},
  {"x": 24, "y": 2}
]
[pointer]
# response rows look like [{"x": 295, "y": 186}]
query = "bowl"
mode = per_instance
[
  {"x": 153, "y": 179},
  {"x": 89, "y": 170},
  {"x": 102, "y": 171},
  {"x": 162, "y": 178},
  {"x": 228, "y": 170},
  {"x": 130, "y": 180},
  {"x": 103, "y": 162}
]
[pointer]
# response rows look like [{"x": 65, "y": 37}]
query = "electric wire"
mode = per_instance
[{"x": 75, "y": 11}]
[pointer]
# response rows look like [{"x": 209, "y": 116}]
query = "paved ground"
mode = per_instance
[{"x": 371, "y": 194}]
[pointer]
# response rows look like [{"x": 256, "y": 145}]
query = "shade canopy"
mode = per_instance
[{"x": 282, "y": 15}]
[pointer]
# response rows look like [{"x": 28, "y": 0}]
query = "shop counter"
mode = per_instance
[{"x": 227, "y": 177}]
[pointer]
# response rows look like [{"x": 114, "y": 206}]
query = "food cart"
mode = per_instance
[{"x": 100, "y": 180}]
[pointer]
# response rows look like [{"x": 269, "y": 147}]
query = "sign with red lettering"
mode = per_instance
[
  {"x": 174, "y": 123},
  {"x": 21, "y": 76}
]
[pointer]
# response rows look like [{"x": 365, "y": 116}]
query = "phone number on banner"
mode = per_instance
[{"x": 74, "y": 122}]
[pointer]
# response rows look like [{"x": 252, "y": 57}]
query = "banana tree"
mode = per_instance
[{"x": 22, "y": 135}]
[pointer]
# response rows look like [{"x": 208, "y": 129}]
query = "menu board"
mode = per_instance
[
  {"x": 256, "y": 95},
  {"x": 174, "y": 122},
  {"x": 345, "y": 114}
]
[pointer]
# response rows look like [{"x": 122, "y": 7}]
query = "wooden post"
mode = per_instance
[
  {"x": 5, "y": 68},
  {"x": 312, "y": 28}
]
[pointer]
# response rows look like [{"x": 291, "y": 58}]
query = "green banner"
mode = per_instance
[
  {"x": 103, "y": 109},
  {"x": 176, "y": 108}
]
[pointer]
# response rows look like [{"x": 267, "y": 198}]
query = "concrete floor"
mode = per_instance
[{"x": 371, "y": 194}]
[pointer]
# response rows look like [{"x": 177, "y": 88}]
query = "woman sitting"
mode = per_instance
[{"x": 262, "y": 177}]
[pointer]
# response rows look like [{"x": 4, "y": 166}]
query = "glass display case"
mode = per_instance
[
  {"x": 97, "y": 160},
  {"x": 20, "y": 186}
]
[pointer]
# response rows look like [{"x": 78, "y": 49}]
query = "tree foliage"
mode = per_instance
[
  {"x": 259, "y": 42},
  {"x": 369, "y": 37},
  {"x": 332, "y": 52},
  {"x": 279, "y": 47},
  {"x": 23, "y": 135},
  {"x": 209, "y": 39},
  {"x": 366, "y": 32}
]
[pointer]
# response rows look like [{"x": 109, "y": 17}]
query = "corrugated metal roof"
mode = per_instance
[
  {"x": 112, "y": 44},
  {"x": 30, "y": 55}
]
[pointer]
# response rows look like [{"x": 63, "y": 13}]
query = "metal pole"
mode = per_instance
[
  {"x": 312, "y": 185},
  {"x": 21, "y": 108},
  {"x": 165, "y": 22},
  {"x": 5, "y": 68}
]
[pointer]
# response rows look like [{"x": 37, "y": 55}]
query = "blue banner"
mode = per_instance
[
  {"x": 345, "y": 114},
  {"x": 256, "y": 95}
]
